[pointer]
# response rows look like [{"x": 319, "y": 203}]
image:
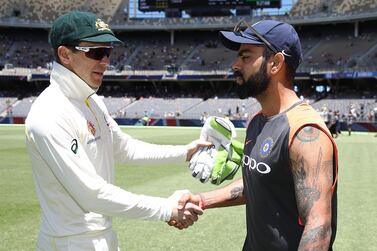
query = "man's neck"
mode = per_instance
[{"x": 275, "y": 102}]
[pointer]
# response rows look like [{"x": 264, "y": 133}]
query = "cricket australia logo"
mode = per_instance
[
  {"x": 91, "y": 128},
  {"x": 266, "y": 147},
  {"x": 101, "y": 25}
]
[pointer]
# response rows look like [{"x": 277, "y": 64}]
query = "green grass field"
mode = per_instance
[{"x": 217, "y": 229}]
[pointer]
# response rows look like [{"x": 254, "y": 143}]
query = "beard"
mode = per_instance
[{"x": 255, "y": 85}]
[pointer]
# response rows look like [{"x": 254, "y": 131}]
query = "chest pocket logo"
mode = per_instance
[{"x": 266, "y": 147}]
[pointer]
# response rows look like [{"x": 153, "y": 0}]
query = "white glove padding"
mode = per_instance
[
  {"x": 219, "y": 131},
  {"x": 201, "y": 163}
]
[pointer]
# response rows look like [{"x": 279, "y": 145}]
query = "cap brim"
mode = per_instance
[
  {"x": 104, "y": 38},
  {"x": 233, "y": 42}
]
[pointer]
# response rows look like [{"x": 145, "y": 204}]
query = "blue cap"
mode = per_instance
[{"x": 282, "y": 36}]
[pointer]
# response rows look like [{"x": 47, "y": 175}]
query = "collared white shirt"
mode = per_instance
[{"x": 73, "y": 143}]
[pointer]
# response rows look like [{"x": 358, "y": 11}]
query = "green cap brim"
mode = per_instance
[{"x": 104, "y": 38}]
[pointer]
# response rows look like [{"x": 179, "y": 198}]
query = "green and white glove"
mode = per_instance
[
  {"x": 221, "y": 161},
  {"x": 227, "y": 163}
]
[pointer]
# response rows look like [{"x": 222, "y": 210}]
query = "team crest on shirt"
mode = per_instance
[
  {"x": 91, "y": 128},
  {"x": 266, "y": 147}
]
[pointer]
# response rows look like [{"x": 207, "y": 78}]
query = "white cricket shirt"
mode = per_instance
[{"x": 73, "y": 143}]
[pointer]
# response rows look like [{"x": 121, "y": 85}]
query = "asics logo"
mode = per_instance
[{"x": 252, "y": 164}]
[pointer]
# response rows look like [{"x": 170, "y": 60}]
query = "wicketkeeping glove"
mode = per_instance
[
  {"x": 221, "y": 161},
  {"x": 227, "y": 163}
]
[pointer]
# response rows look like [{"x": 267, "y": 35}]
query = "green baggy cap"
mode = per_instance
[{"x": 76, "y": 26}]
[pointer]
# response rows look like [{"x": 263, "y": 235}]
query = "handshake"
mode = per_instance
[
  {"x": 184, "y": 212},
  {"x": 220, "y": 161},
  {"x": 187, "y": 207}
]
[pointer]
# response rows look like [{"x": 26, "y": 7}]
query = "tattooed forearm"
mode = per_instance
[
  {"x": 235, "y": 193},
  {"x": 316, "y": 238},
  {"x": 308, "y": 134}
]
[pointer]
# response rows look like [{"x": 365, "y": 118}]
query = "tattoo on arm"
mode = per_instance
[
  {"x": 308, "y": 134},
  {"x": 317, "y": 235},
  {"x": 236, "y": 192},
  {"x": 312, "y": 172},
  {"x": 307, "y": 186},
  {"x": 329, "y": 168},
  {"x": 306, "y": 194}
]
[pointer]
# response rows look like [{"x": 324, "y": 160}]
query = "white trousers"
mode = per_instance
[{"x": 105, "y": 240}]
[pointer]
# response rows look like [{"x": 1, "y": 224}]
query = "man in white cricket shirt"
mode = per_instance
[{"x": 73, "y": 143}]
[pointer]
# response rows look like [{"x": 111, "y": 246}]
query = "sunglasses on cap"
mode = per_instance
[
  {"x": 239, "y": 32},
  {"x": 95, "y": 52}
]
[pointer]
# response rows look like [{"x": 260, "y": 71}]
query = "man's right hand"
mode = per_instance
[
  {"x": 184, "y": 213},
  {"x": 187, "y": 202}
]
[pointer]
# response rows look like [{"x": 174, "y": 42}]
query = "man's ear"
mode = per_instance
[
  {"x": 63, "y": 54},
  {"x": 277, "y": 62}
]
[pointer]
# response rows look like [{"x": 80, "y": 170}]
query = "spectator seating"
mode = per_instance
[
  {"x": 324, "y": 48},
  {"x": 224, "y": 107},
  {"x": 211, "y": 55},
  {"x": 46, "y": 11},
  {"x": 22, "y": 107},
  {"x": 359, "y": 107},
  {"x": 116, "y": 104},
  {"x": 195, "y": 108},
  {"x": 305, "y": 8},
  {"x": 159, "y": 107},
  {"x": 354, "y": 6},
  {"x": 6, "y": 102},
  {"x": 339, "y": 50}
]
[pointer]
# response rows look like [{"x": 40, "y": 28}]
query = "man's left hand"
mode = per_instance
[{"x": 195, "y": 146}]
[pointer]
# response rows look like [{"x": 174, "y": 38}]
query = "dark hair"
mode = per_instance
[
  {"x": 290, "y": 71},
  {"x": 56, "y": 56}
]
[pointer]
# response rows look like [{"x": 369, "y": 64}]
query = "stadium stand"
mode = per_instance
[
  {"x": 6, "y": 103},
  {"x": 115, "y": 105},
  {"x": 353, "y": 6},
  {"x": 324, "y": 48},
  {"x": 335, "y": 47},
  {"x": 46, "y": 11},
  {"x": 209, "y": 55},
  {"x": 160, "y": 107},
  {"x": 306, "y": 8},
  {"x": 232, "y": 108},
  {"x": 361, "y": 108},
  {"x": 22, "y": 107},
  {"x": 144, "y": 75}
]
